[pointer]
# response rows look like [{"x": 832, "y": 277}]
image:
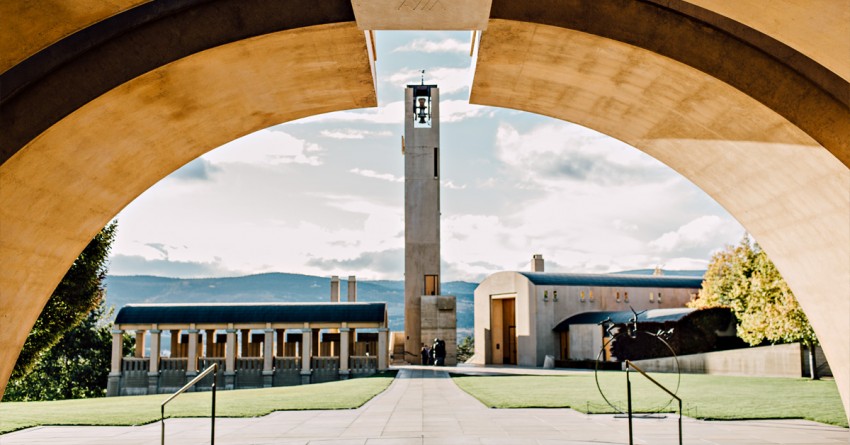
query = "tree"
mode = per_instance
[
  {"x": 744, "y": 279},
  {"x": 79, "y": 293},
  {"x": 76, "y": 367},
  {"x": 465, "y": 349}
]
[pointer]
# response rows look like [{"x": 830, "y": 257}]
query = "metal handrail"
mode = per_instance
[
  {"x": 630, "y": 364},
  {"x": 212, "y": 369}
]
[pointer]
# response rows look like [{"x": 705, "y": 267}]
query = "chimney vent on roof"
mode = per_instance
[
  {"x": 334, "y": 289},
  {"x": 537, "y": 263},
  {"x": 352, "y": 288}
]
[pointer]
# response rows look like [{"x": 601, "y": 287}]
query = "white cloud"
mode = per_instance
[
  {"x": 449, "y": 80},
  {"x": 451, "y": 185},
  {"x": 375, "y": 175},
  {"x": 352, "y": 133},
  {"x": 701, "y": 232},
  {"x": 266, "y": 147},
  {"x": 430, "y": 46}
]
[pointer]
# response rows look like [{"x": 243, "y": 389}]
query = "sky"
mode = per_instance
[{"x": 325, "y": 195}]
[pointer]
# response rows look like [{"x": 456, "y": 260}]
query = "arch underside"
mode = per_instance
[
  {"x": 770, "y": 143},
  {"x": 791, "y": 193}
]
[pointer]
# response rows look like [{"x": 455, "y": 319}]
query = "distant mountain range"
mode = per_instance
[
  {"x": 286, "y": 287},
  {"x": 276, "y": 287}
]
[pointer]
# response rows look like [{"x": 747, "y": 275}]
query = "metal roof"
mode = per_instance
[
  {"x": 620, "y": 317},
  {"x": 251, "y": 313},
  {"x": 612, "y": 280}
]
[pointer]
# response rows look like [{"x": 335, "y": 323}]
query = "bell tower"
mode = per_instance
[{"x": 425, "y": 311}]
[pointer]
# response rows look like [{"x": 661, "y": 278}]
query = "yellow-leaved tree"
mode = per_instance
[{"x": 744, "y": 279}]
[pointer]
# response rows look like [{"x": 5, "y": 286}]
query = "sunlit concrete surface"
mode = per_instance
[
  {"x": 421, "y": 14},
  {"x": 424, "y": 406},
  {"x": 790, "y": 191},
  {"x": 37, "y": 25},
  {"x": 65, "y": 185}
]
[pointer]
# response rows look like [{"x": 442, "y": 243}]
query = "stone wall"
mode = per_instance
[{"x": 765, "y": 361}]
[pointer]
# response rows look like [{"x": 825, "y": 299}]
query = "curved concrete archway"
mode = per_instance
[
  {"x": 756, "y": 116},
  {"x": 81, "y": 146}
]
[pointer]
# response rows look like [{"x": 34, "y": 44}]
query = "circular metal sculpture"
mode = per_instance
[{"x": 632, "y": 331}]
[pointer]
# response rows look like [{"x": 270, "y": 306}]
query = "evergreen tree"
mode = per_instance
[
  {"x": 79, "y": 293},
  {"x": 75, "y": 367},
  {"x": 744, "y": 279}
]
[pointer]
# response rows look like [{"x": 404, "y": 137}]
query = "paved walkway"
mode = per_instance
[{"x": 423, "y": 406}]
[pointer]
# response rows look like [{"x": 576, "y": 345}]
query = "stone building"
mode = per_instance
[
  {"x": 256, "y": 345},
  {"x": 516, "y": 313}
]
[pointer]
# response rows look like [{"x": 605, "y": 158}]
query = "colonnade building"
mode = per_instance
[{"x": 256, "y": 345}]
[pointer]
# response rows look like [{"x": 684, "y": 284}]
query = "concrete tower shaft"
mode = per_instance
[{"x": 421, "y": 209}]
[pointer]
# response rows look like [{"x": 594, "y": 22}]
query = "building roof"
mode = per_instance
[
  {"x": 620, "y": 317},
  {"x": 251, "y": 313},
  {"x": 612, "y": 280}
]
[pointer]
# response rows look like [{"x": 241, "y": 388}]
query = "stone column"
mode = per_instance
[
  {"x": 140, "y": 343},
  {"x": 268, "y": 358},
  {"x": 113, "y": 385},
  {"x": 344, "y": 353},
  {"x": 382, "y": 349},
  {"x": 306, "y": 355},
  {"x": 230, "y": 360},
  {"x": 153, "y": 369},
  {"x": 192, "y": 360}
]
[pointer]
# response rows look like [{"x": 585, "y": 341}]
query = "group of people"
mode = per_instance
[{"x": 435, "y": 354}]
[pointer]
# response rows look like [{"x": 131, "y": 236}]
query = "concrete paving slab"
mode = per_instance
[{"x": 424, "y": 406}]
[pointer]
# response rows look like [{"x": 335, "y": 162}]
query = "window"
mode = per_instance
[
  {"x": 436, "y": 162},
  {"x": 432, "y": 285}
]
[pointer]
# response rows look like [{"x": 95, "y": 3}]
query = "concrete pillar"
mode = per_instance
[
  {"x": 352, "y": 288},
  {"x": 175, "y": 343},
  {"x": 421, "y": 207},
  {"x": 153, "y": 369},
  {"x": 306, "y": 355},
  {"x": 383, "y": 350},
  {"x": 230, "y": 360},
  {"x": 268, "y": 357},
  {"x": 537, "y": 263},
  {"x": 113, "y": 384},
  {"x": 344, "y": 353},
  {"x": 334, "y": 289},
  {"x": 192, "y": 364},
  {"x": 140, "y": 343},
  {"x": 281, "y": 342}
]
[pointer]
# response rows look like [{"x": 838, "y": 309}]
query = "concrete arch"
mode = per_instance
[
  {"x": 84, "y": 137},
  {"x": 755, "y": 115},
  {"x": 745, "y": 137}
]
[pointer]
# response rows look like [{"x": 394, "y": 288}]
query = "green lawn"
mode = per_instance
[
  {"x": 139, "y": 410},
  {"x": 704, "y": 396}
]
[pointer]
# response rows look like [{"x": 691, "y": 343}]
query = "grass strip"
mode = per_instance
[
  {"x": 704, "y": 396},
  {"x": 139, "y": 410}
]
